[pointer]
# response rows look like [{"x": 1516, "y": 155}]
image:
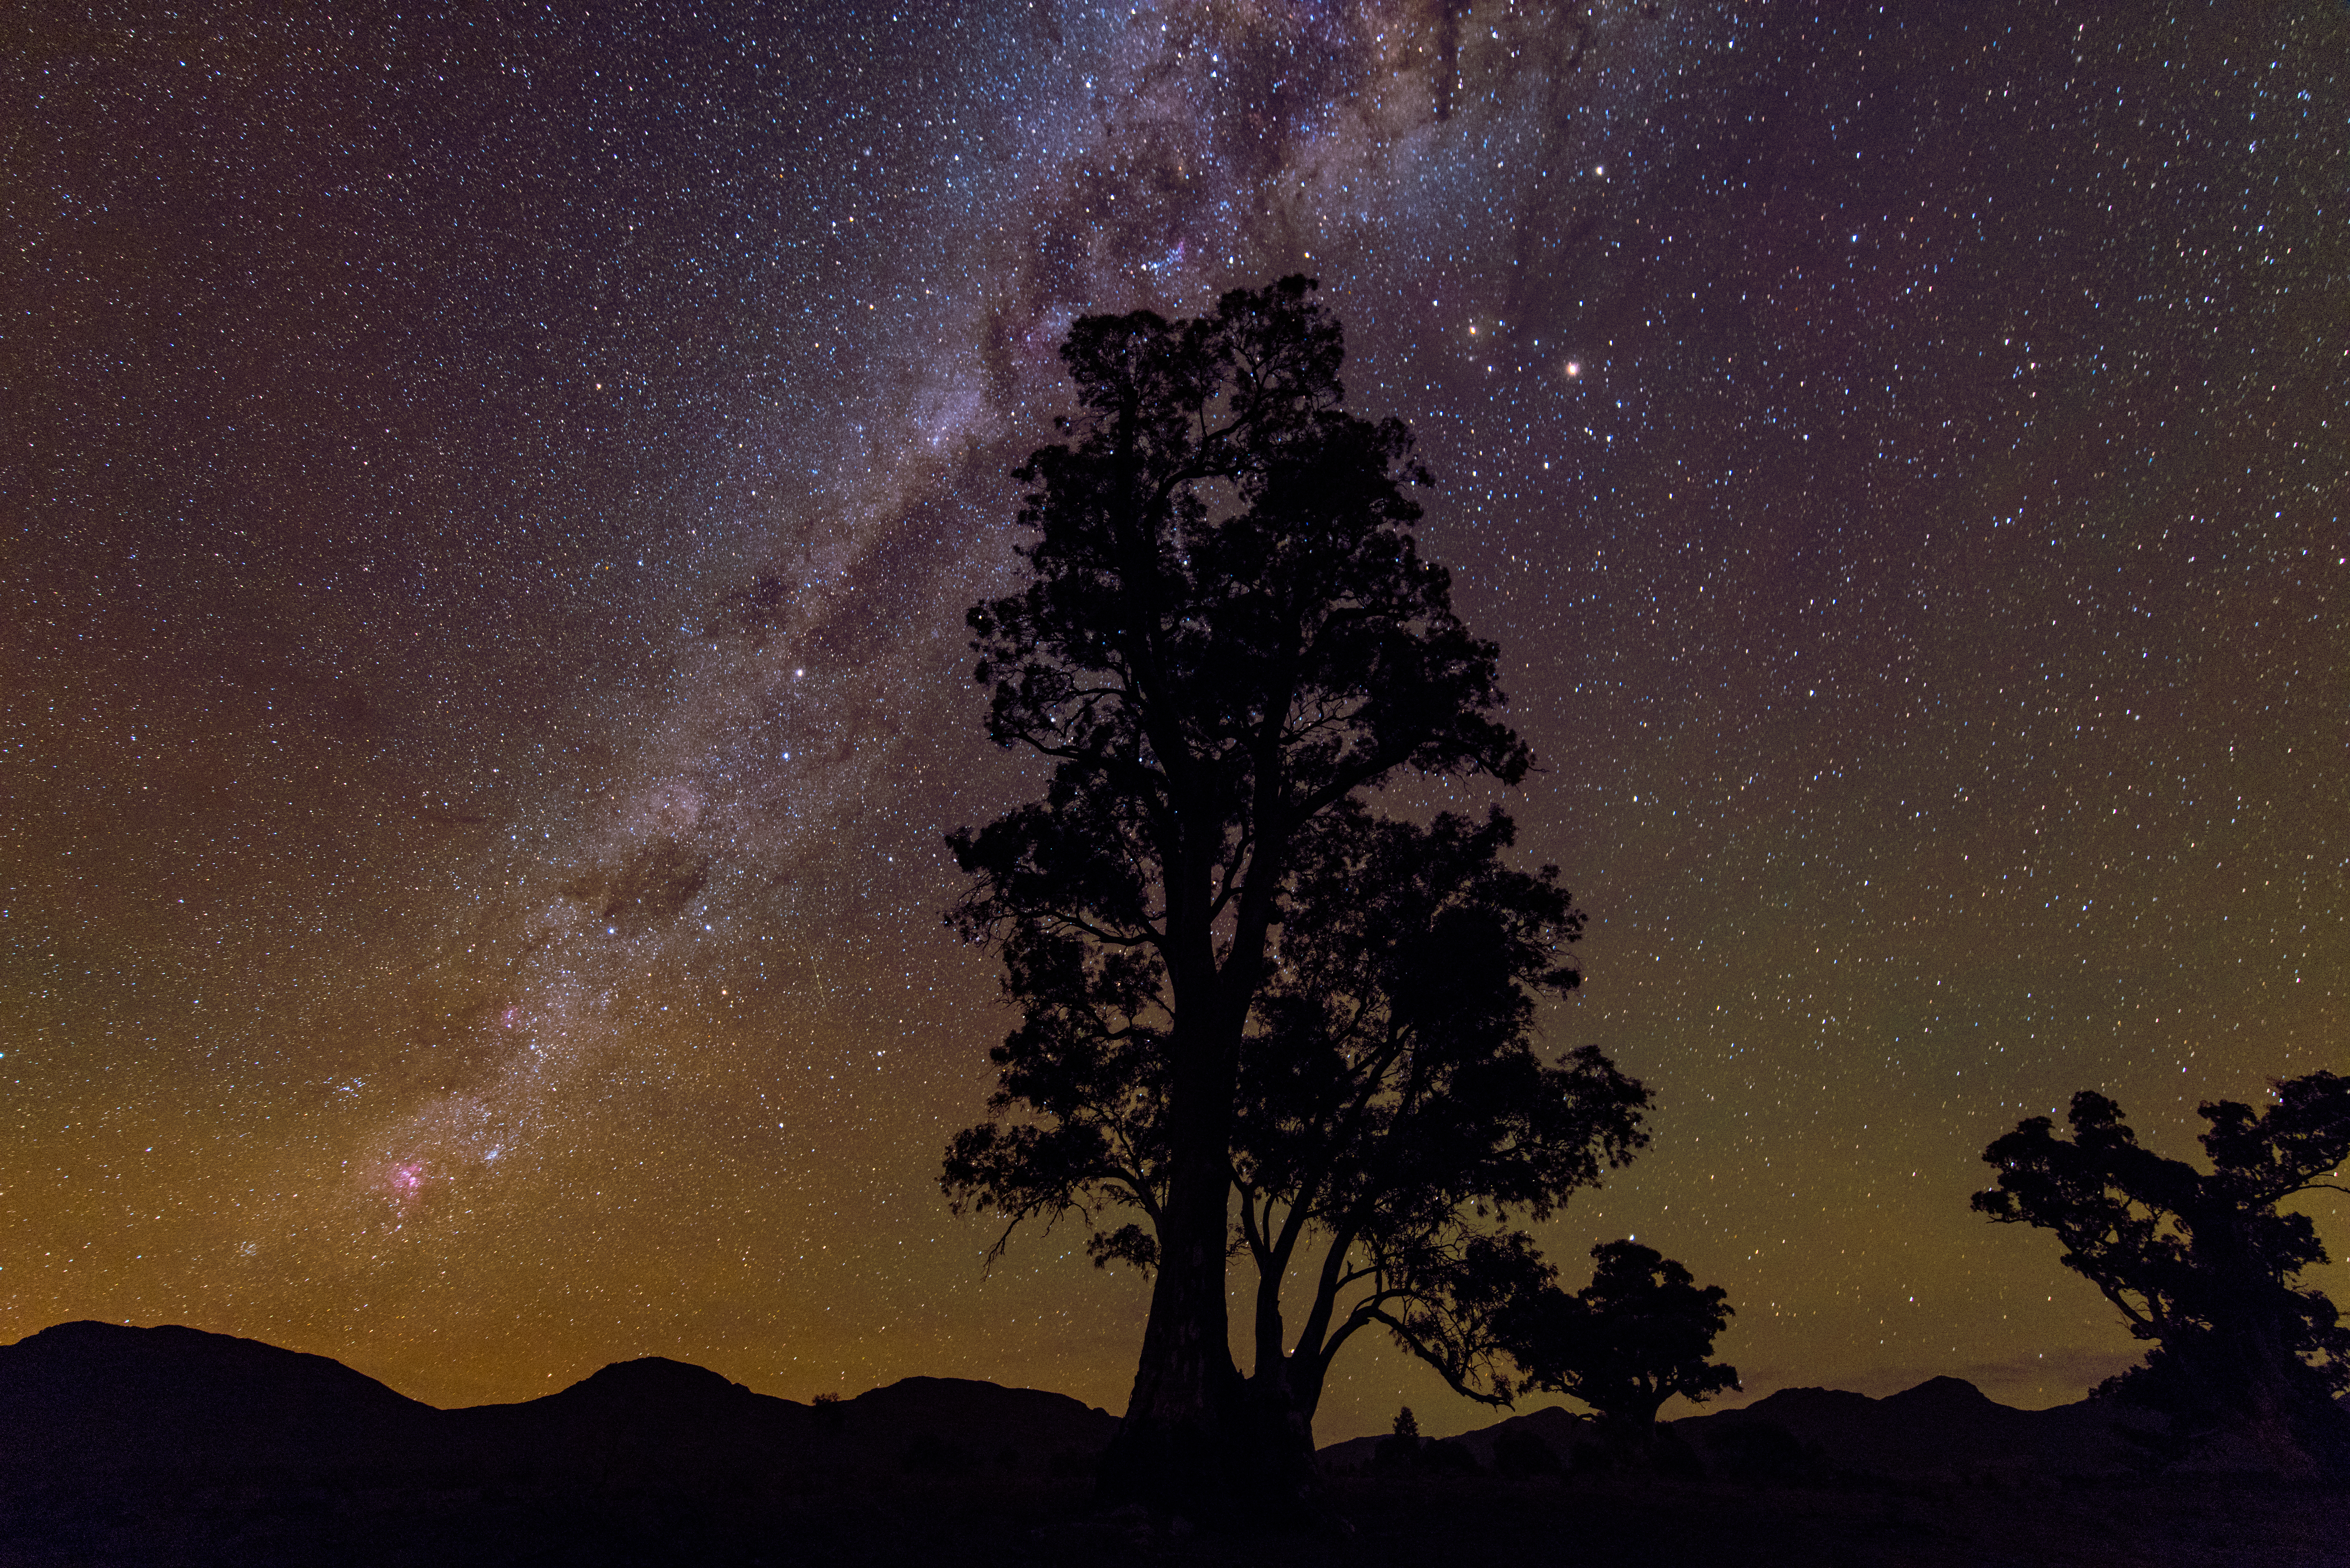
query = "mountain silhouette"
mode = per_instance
[
  {"x": 1559, "y": 1430},
  {"x": 144, "y": 1446},
  {"x": 155, "y": 1446},
  {"x": 1943, "y": 1426},
  {"x": 182, "y": 1405},
  {"x": 95, "y": 1399},
  {"x": 101, "y": 1396}
]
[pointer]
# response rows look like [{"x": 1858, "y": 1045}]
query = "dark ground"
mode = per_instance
[
  {"x": 989, "y": 1517},
  {"x": 168, "y": 1448}
]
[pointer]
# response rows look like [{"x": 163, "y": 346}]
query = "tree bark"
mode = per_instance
[
  {"x": 1194, "y": 1441},
  {"x": 1175, "y": 1449},
  {"x": 1180, "y": 1446},
  {"x": 1281, "y": 1397},
  {"x": 1199, "y": 1439}
]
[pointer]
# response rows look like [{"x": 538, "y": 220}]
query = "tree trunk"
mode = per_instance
[
  {"x": 1181, "y": 1445},
  {"x": 2252, "y": 1358},
  {"x": 1280, "y": 1412},
  {"x": 1198, "y": 1440},
  {"x": 2268, "y": 1403},
  {"x": 1284, "y": 1389},
  {"x": 1192, "y": 1442},
  {"x": 1175, "y": 1449}
]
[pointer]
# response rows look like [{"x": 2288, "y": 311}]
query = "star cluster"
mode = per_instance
[{"x": 493, "y": 495}]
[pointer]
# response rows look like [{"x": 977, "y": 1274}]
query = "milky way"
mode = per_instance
[{"x": 493, "y": 497}]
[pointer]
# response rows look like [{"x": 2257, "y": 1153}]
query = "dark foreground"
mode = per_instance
[
  {"x": 168, "y": 1448},
  {"x": 983, "y": 1518}
]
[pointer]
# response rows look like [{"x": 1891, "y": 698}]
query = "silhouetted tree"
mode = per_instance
[
  {"x": 2201, "y": 1263},
  {"x": 1393, "y": 1113},
  {"x": 1391, "y": 1110},
  {"x": 1400, "y": 1446},
  {"x": 1641, "y": 1332},
  {"x": 1228, "y": 637}
]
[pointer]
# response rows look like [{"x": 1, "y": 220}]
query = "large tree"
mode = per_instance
[
  {"x": 1228, "y": 635},
  {"x": 1392, "y": 1118},
  {"x": 2203, "y": 1263}
]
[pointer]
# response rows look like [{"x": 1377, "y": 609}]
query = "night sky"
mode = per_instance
[{"x": 490, "y": 493}]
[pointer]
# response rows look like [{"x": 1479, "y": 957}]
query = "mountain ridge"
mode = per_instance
[{"x": 171, "y": 1399}]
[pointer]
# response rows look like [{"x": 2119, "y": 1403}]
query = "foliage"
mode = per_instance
[
  {"x": 1404, "y": 1448},
  {"x": 2202, "y": 1263},
  {"x": 1391, "y": 1109},
  {"x": 1228, "y": 637},
  {"x": 1229, "y": 633},
  {"x": 1641, "y": 1332},
  {"x": 1401, "y": 1444}
]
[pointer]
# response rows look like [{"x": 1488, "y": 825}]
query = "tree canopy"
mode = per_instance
[
  {"x": 2203, "y": 1263},
  {"x": 1392, "y": 1112},
  {"x": 1227, "y": 638},
  {"x": 1641, "y": 1332}
]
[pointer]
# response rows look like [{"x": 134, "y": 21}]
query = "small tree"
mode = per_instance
[
  {"x": 2202, "y": 1263},
  {"x": 1401, "y": 1444},
  {"x": 1641, "y": 1332}
]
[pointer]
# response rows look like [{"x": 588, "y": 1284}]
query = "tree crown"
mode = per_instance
[
  {"x": 1641, "y": 1332},
  {"x": 2201, "y": 1263},
  {"x": 1227, "y": 628},
  {"x": 2175, "y": 1248}
]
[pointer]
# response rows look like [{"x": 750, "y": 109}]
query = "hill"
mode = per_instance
[
  {"x": 98, "y": 1396},
  {"x": 1943, "y": 1427},
  {"x": 161, "y": 1447}
]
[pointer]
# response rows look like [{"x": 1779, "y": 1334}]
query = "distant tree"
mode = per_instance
[
  {"x": 1391, "y": 1112},
  {"x": 1401, "y": 1444},
  {"x": 1641, "y": 1332},
  {"x": 2202, "y": 1262},
  {"x": 1228, "y": 637}
]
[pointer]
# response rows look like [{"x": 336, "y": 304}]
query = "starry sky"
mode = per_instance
[{"x": 491, "y": 492}]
